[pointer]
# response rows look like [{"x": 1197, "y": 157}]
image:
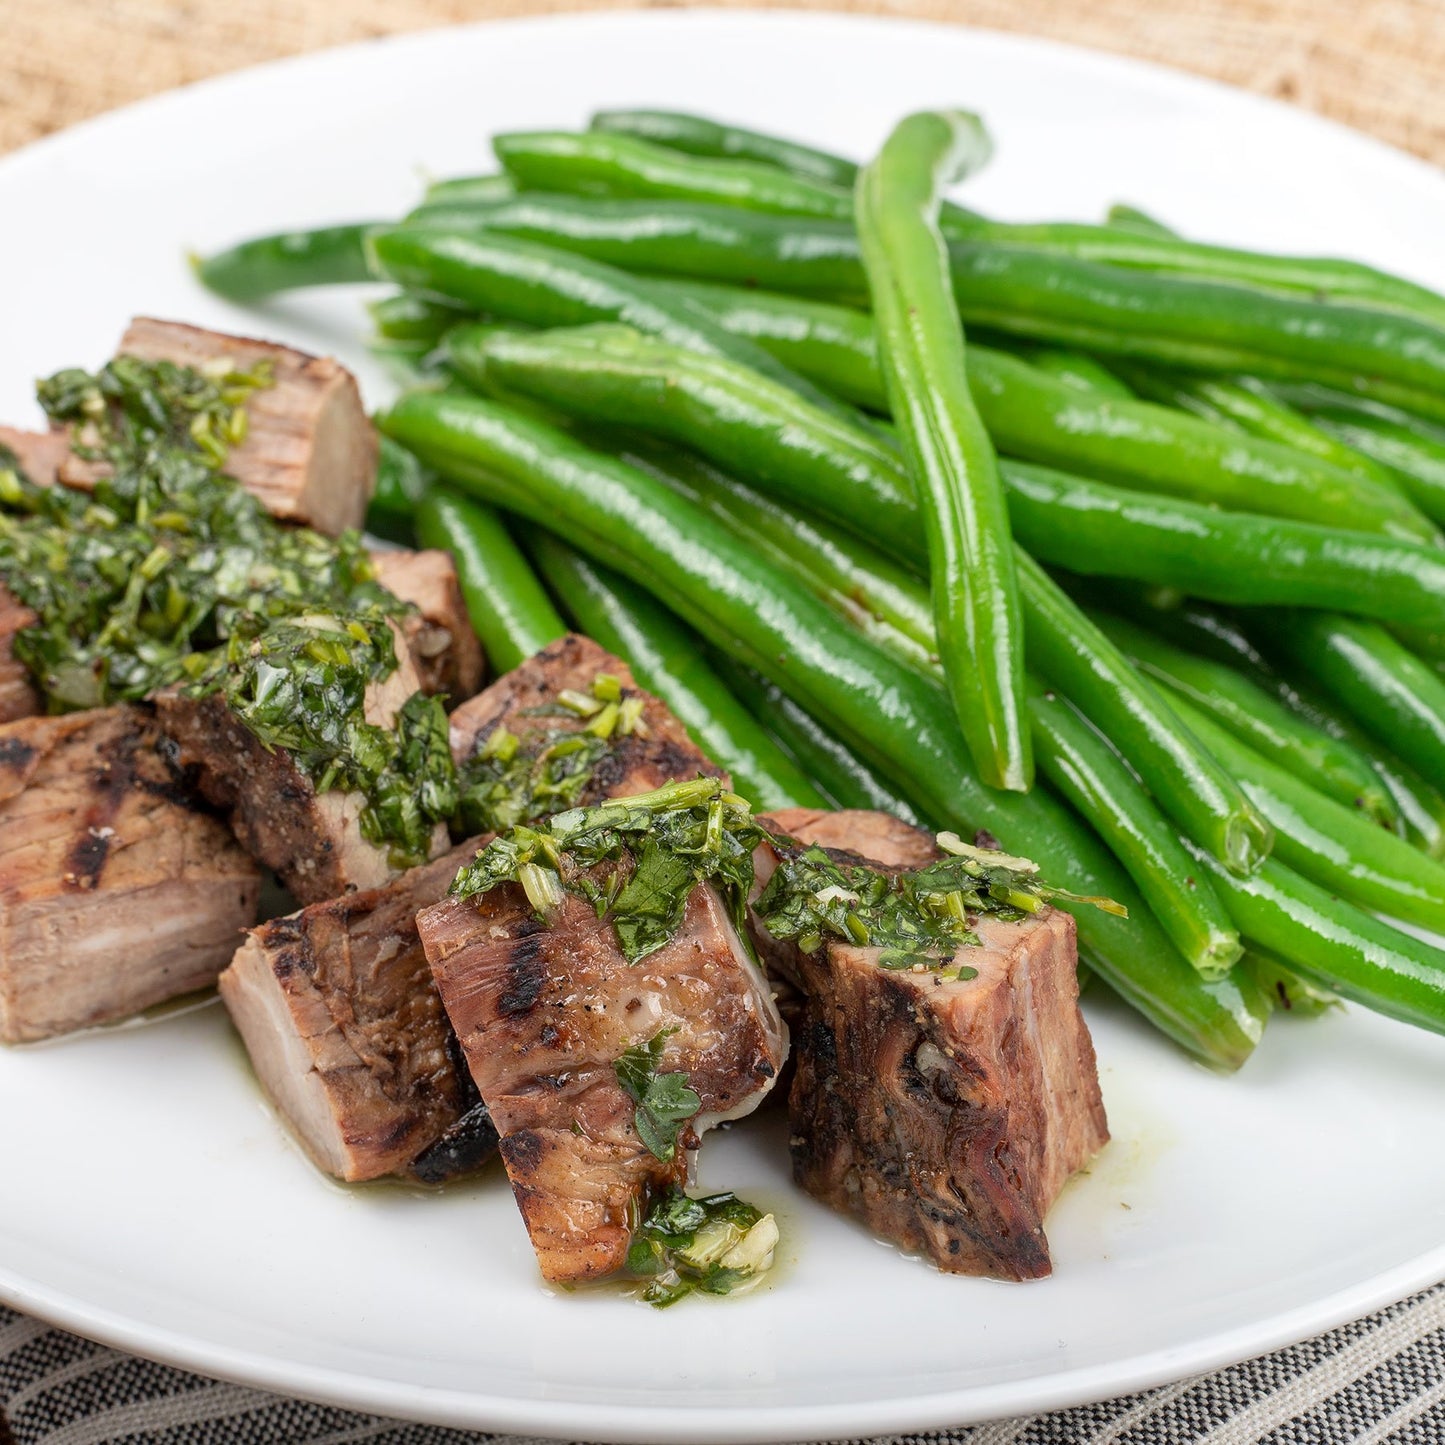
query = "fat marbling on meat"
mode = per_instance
[{"x": 946, "y": 1114}]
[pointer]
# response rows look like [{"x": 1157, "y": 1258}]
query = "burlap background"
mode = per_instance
[{"x": 1375, "y": 64}]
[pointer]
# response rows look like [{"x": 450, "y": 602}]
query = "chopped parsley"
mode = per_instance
[
  {"x": 715, "y": 1245},
  {"x": 917, "y": 918},
  {"x": 666, "y": 843},
  {"x": 508, "y": 781},
  {"x": 664, "y": 1101},
  {"x": 171, "y": 573}
]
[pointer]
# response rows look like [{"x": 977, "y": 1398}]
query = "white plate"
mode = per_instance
[{"x": 149, "y": 1197}]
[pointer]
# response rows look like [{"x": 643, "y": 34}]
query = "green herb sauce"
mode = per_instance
[
  {"x": 714, "y": 1245},
  {"x": 171, "y": 573}
]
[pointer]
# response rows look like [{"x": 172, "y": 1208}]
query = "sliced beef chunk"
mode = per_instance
[
  {"x": 310, "y": 449},
  {"x": 543, "y": 1013},
  {"x": 312, "y": 840},
  {"x": 337, "y": 1009},
  {"x": 438, "y": 634},
  {"x": 525, "y": 701},
  {"x": 944, "y": 1112},
  {"x": 117, "y": 891}
]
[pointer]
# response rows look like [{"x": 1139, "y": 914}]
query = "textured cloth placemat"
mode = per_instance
[
  {"x": 1377, "y": 65},
  {"x": 1378, "y": 1380}
]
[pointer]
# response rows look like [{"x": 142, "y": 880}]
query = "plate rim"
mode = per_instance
[{"x": 753, "y": 1424}]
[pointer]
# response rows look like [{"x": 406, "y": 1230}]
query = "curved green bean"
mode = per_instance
[
  {"x": 1100, "y": 530},
  {"x": 1393, "y": 695},
  {"x": 327, "y": 256},
  {"x": 1330, "y": 844},
  {"x": 949, "y": 456},
  {"x": 401, "y": 482},
  {"x": 406, "y": 316},
  {"x": 509, "y": 609},
  {"x": 1233, "y": 702}
]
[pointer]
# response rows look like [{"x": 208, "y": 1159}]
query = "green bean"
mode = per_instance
[
  {"x": 1285, "y": 988},
  {"x": 509, "y": 610},
  {"x": 1233, "y": 702},
  {"x": 949, "y": 456},
  {"x": 1247, "y": 405},
  {"x": 405, "y": 316},
  {"x": 1091, "y": 776},
  {"x": 599, "y": 163},
  {"x": 1037, "y": 418},
  {"x": 838, "y": 771},
  {"x": 1078, "y": 371},
  {"x": 666, "y": 658},
  {"x": 1408, "y": 452},
  {"x": 696, "y": 136},
  {"x": 1042, "y": 417},
  {"x": 1331, "y": 942},
  {"x": 1100, "y": 530},
  {"x": 401, "y": 482},
  {"x": 1420, "y": 803},
  {"x": 741, "y": 421},
  {"x": 1131, "y": 218},
  {"x": 900, "y": 722},
  {"x": 539, "y": 286},
  {"x": 613, "y": 163},
  {"x": 1394, "y": 696},
  {"x": 260, "y": 267},
  {"x": 1329, "y": 844},
  {"x": 464, "y": 190}
]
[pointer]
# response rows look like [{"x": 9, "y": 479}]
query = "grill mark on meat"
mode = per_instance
[
  {"x": 523, "y": 1151},
  {"x": 526, "y": 971},
  {"x": 16, "y": 754},
  {"x": 464, "y": 1148}
]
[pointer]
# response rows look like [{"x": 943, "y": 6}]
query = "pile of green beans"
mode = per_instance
[{"x": 890, "y": 500}]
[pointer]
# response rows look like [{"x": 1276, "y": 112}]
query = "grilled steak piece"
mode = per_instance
[
  {"x": 439, "y": 634},
  {"x": 18, "y": 696},
  {"x": 116, "y": 891},
  {"x": 525, "y": 700},
  {"x": 944, "y": 1113},
  {"x": 362, "y": 1109},
  {"x": 310, "y": 450},
  {"x": 40, "y": 453},
  {"x": 312, "y": 840},
  {"x": 337, "y": 1009},
  {"x": 543, "y": 1014}
]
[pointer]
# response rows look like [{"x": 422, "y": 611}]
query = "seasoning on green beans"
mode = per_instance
[
  {"x": 899, "y": 721},
  {"x": 667, "y": 660},
  {"x": 1394, "y": 696},
  {"x": 328, "y": 256},
  {"x": 950, "y": 458},
  {"x": 1234, "y": 702},
  {"x": 508, "y": 607}
]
